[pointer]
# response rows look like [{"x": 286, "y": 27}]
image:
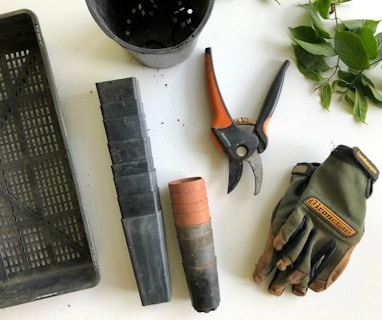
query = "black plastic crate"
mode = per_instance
[{"x": 45, "y": 246}]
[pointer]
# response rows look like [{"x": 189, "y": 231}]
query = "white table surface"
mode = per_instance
[{"x": 250, "y": 40}]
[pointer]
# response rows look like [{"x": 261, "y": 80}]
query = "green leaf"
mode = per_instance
[
  {"x": 318, "y": 25},
  {"x": 371, "y": 92},
  {"x": 311, "y": 41},
  {"x": 326, "y": 95},
  {"x": 376, "y": 96},
  {"x": 320, "y": 49},
  {"x": 310, "y": 74},
  {"x": 310, "y": 61},
  {"x": 355, "y": 25},
  {"x": 351, "y": 50},
  {"x": 354, "y": 44},
  {"x": 343, "y": 84},
  {"x": 350, "y": 97},
  {"x": 366, "y": 81},
  {"x": 307, "y": 34},
  {"x": 360, "y": 106},
  {"x": 378, "y": 39},
  {"x": 323, "y": 7},
  {"x": 346, "y": 76},
  {"x": 362, "y": 83},
  {"x": 335, "y": 85},
  {"x": 372, "y": 24},
  {"x": 340, "y": 83},
  {"x": 369, "y": 42}
]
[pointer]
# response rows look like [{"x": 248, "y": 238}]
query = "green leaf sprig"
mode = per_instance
[{"x": 336, "y": 54}]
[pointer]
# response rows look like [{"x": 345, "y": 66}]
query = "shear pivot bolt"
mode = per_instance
[{"x": 241, "y": 151}]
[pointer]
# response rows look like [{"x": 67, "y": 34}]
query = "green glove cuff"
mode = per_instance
[{"x": 358, "y": 159}]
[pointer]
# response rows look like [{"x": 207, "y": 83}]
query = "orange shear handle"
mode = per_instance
[{"x": 220, "y": 115}]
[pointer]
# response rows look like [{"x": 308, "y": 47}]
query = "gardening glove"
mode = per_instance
[
  {"x": 328, "y": 222},
  {"x": 300, "y": 177}
]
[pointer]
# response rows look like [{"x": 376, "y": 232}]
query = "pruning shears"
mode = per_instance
[{"x": 238, "y": 144}]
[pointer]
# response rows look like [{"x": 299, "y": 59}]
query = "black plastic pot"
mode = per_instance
[{"x": 159, "y": 34}]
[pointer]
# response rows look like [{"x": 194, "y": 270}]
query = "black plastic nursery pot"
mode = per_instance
[{"x": 159, "y": 34}]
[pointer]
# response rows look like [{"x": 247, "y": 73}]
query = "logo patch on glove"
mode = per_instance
[{"x": 330, "y": 217}]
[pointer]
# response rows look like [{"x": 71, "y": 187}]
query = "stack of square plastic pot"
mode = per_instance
[{"x": 136, "y": 185}]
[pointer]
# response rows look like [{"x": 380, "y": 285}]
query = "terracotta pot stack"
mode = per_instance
[{"x": 193, "y": 225}]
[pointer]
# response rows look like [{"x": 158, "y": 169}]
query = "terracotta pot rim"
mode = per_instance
[{"x": 187, "y": 185}]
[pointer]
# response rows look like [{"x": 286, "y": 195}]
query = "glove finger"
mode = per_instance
[
  {"x": 329, "y": 275},
  {"x": 301, "y": 289},
  {"x": 292, "y": 249},
  {"x": 266, "y": 262},
  {"x": 321, "y": 259},
  {"x": 269, "y": 257},
  {"x": 299, "y": 275},
  {"x": 278, "y": 283},
  {"x": 296, "y": 222},
  {"x": 309, "y": 267}
]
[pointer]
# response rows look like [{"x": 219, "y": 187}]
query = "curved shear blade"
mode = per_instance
[
  {"x": 235, "y": 171},
  {"x": 257, "y": 168}
]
